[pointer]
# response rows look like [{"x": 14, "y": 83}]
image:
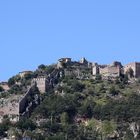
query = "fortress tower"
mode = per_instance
[
  {"x": 41, "y": 83},
  {"x": 95, "y": 69}
]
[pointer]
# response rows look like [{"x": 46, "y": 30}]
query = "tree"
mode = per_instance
[
  {"x": 87, "y": 108},
  {"x": 1, "y": 89},
  {"x": 108, "y": 128},
  {"x": 64, "y": 118},
  {"x": 4, "y": 126},
  {"x": 38, "y": 136},
  {"x": 77, "y": 86},
  {"x": 42, "y": 67},
  {"x": 129, "y": 135},
  {"x": 11, "y": 81},
  {"x": 98, "y": 77},
  {"x": 28, "y": 76},
  {"x": 57, "y": 137},
  {"x": 26, "y": 124},
  {"x": 124, "y": 79},
  {"x": 113, "y": 91},
  {"x": 15, "y": 132}
]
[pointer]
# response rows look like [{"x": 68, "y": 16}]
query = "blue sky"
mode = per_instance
[{"x": 33, "y": 32}]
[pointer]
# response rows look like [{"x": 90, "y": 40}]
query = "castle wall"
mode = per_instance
[
  {"x": 137, "y": 70},
  {"x": 110, "y": 71},
  {"x": 128, "y": 66},
  {"x": 135, "y": 66},
  {"x": 10, "y": 107},
  {"x": 113, "y": 70},
  {"x": 24, "y": 101},
  {"x": 95, "y": 70},
  {"x": 14, "y": 106}
]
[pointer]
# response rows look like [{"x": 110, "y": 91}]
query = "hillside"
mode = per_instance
[
  {"x": 90, "y": 109},
  {"x": 65, "y": 101}
]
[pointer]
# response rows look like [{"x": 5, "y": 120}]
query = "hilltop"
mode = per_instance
[{"x": 72, "y": 100}]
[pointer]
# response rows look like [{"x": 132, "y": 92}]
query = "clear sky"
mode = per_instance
[{"x": 33, "y": 32}]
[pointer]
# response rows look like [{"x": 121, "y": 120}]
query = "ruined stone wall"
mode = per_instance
[
  {"x": 71, "y": 72},
  {"x": 79, "y": 72},
  {"x": 103, "y": 71},
  {"x": 110, "y": 71},
  {"x": 10, "y": 107},
  {"x": 62, "y": 62},
  {"x": 114, "y": 71},
  {"x": 24, "y": 101},
  {"x": 130, "y": 66},
  {"x": 137, "y": 70}
]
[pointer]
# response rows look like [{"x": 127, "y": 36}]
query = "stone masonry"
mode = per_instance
[
  {"x": 41, "y": 83},
  {"x": 135, "y": 66},
  {"x": 113, "y": 70}
]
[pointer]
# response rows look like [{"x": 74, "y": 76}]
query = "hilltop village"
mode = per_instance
[{"x": 31, "y": 86}]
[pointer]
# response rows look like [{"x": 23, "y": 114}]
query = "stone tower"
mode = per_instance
[
  {"x": 95, "y": 69},
  {"x": 41, "y": 83}
]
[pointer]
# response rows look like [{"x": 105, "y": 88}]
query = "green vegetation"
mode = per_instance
[
  {"x": 1, "y": 89},
  {"x": 80, "y": 109},
  {"x": 112, "y": 105}
]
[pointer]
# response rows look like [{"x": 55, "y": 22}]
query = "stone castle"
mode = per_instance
[
  {"x": 113, "y": 70},
  {"x": 116, "y": 69},
  {"x": 18, "y": 106}
]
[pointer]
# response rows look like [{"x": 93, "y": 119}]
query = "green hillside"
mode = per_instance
[{"x": 78, "y": 108}]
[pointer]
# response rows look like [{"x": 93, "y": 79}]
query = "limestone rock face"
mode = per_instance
[{"x": 134, "y": 127}]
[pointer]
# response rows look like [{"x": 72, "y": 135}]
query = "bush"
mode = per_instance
[
  {"x": 77, "y": 86},
  {"x": 113, "y": 91},
  {"x": 26, "y": 124},
  {"x": 1, "y": 89}
]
